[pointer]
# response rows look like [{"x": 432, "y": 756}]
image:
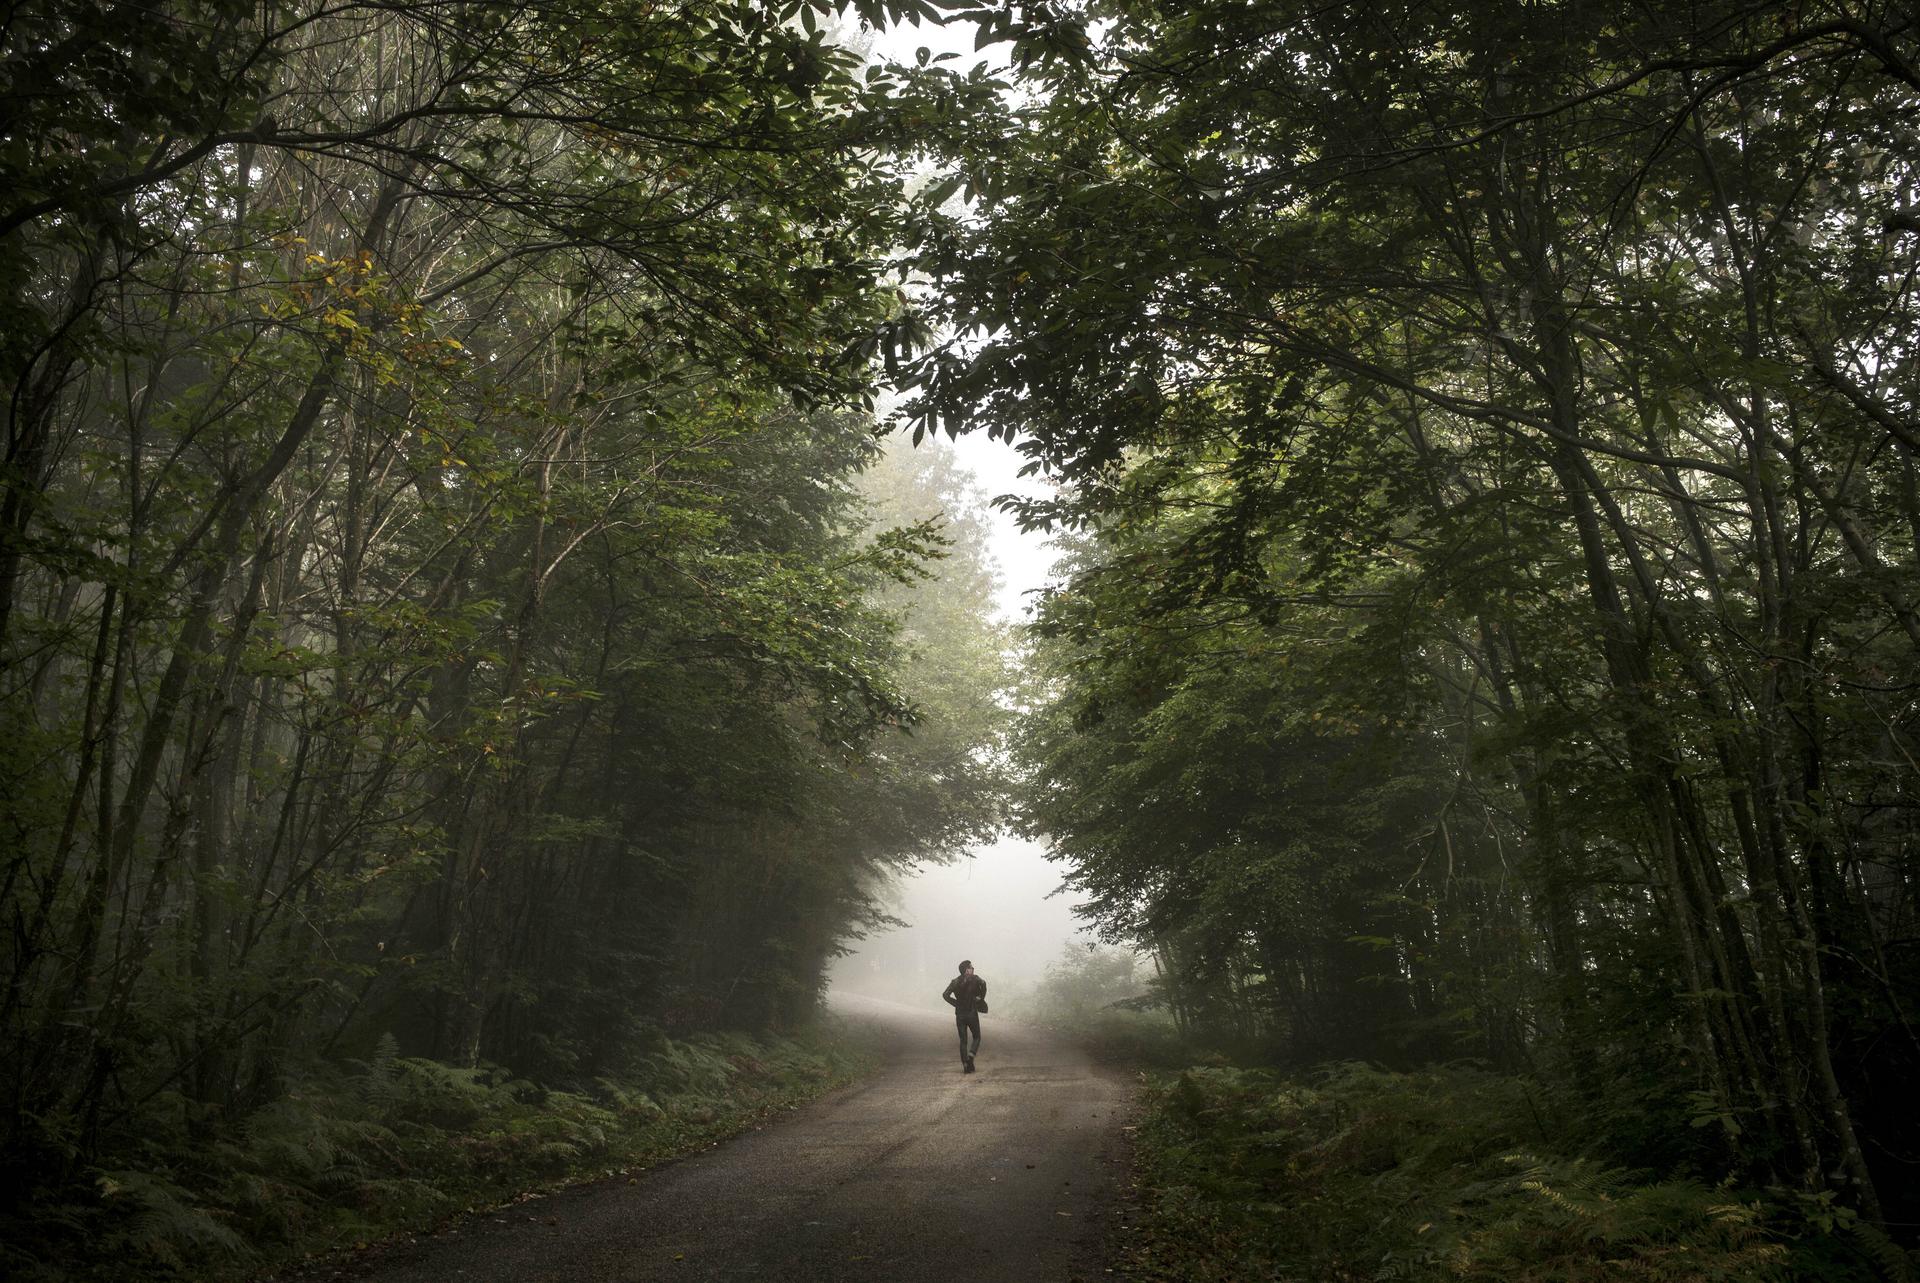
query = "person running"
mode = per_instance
[{"x": 966, "y": 993}]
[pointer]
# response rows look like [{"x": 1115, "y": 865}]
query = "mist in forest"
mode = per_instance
[
  {"x": 999, "y": 904},
  {"x": 995, "y": 906}
]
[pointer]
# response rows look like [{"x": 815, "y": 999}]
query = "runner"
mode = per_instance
[{"x": 966, "y": 993}]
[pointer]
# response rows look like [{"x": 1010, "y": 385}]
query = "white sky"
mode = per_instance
[{"x": 1024, "y": 559}]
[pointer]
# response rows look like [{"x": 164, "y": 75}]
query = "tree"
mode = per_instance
[
  {"x": 1470, "y": 348},
  {"x": 434, "y": 604}
]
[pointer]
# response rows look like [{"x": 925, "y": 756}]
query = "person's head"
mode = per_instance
[{"x": 966, "y": 967}]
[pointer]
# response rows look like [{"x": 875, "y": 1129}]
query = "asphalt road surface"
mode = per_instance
[{"x": 917, "y": 1174}]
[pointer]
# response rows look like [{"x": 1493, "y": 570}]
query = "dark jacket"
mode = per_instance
[{"x": 965, "y": 994}]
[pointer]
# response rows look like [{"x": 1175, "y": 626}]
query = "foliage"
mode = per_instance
[
  {"x": 1434, "y": 1175},
  {"x": 356, "y": 1153},
  {"x": 438, "y": 609},
  {"x": 1485, "y": 435},
  {"x": 1100, "y": 997},
  {"x": 954, "y": 654}
]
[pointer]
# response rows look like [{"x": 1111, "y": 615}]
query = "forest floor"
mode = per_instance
[{"x": 1011, "y": 1174}]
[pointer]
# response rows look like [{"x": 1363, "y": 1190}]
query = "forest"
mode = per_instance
[
  {"x": 1487, "y": 436},
  {"x": 452, "y": 610},
  {"x": 477, "y": 638}
]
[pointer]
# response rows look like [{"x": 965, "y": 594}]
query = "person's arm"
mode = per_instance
[{"x": 947, "y": 993}]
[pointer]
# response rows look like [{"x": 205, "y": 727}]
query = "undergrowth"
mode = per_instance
[
  {"x": 358, "y": 1152},
  {"x": 1440, "y": 1176}
]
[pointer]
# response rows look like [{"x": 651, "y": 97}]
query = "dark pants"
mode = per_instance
[{"x": 962, "y": 1022}]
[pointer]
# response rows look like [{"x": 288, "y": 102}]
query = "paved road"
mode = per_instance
[{"x": 919, "y": 1174}]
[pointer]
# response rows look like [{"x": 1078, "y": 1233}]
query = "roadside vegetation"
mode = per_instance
[
  {"x": 455, "y": 656},
  {"x": 357, "y": 1152},
  {"x": 1105, "y": 999},
  {"x": 1488, "y": 493},
  {"x": 1436, "y": 1174},
  {"x": 1445, "y": 1175}
]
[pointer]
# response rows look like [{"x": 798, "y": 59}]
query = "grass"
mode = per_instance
[
  {"x": 1441, "y": 1176},
  {"x": 355, "y": 1154}
]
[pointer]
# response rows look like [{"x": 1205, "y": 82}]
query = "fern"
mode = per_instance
[
  {"x": 351, "y": 1152},
  {"x": 380, "y": 1079},
  {"x": 158, "y": 1222},
  {"x": 1439, "y": 1176},
  {"x": 1894, "y": 1262}
]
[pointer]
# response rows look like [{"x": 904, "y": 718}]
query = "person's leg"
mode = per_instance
[
  {"x": 960, "y": 1027},
  {"x": 973, "y": 1023}
]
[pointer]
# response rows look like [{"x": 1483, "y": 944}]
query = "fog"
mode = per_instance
[
  {"x": 992, "y": 907},
  {"x": 996, "y": 905}
]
